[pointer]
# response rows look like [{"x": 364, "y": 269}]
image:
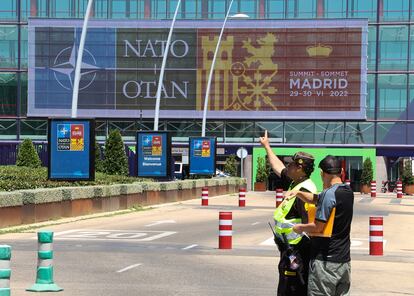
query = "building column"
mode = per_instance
[
  {"x": 381, "y": 8},
  {"x": 33, "y": 7},
  {"x": 320, "y": 9},
  {"x": 262, "y": 9},
  {"x": 147, "y": 9}
]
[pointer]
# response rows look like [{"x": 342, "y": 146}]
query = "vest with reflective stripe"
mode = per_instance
[{"x": 283, "y": 225}]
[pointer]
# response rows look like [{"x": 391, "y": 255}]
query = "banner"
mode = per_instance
[
  {"x": 203, "y": 155},
  {"x": 153, "y": 154},
  {"x": 72, "y": 149},
  {"x": 300, "y": 69}
]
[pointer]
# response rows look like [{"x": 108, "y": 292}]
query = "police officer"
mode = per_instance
[{"x": 293, "y": 247}]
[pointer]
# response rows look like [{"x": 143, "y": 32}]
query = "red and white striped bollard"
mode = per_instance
[
  {"x": 373, "y": 189},
  {"x": 376, "y": 235},
  {"x": 204, "y": 196},
  {"x": 399, "y": 189},
  {"x": 225, "y": 230},
  {"x": 242, "y": 197},
  {"x": 279, "y": 196}
]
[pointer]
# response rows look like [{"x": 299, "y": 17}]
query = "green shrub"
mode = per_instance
[
  {"x": 367, "y": 174},
  {"x": 262, "y": 170},
  {"x": 230, "y": 166},
  {"x": 407, "y": 175},
  {"x": 98, "y": 158},
  {"x": 27, "y": 155},
  {"x": 116, "y": 161}
]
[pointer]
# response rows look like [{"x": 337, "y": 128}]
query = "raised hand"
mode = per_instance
[{"x": 265, "y": 140}]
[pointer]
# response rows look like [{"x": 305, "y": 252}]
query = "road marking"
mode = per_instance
[
  {"x": 189, "y": 247},
  {"x": 268, "y": 242},
  {"x": 161, "y": 222},
  {"x": 129, "y": 267},
  {"x": 112, "y": 235},
  {"x": 255, "y": 223}
]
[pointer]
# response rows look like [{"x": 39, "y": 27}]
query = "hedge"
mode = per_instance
[{"x": 46, "y": 195}]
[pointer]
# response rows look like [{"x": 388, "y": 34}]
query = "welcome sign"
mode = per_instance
[{"x": 265, "y": 69}]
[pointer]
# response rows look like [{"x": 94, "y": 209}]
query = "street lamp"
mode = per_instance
[
  {"x": 79, "y": 61},
  {"x": 164, "y": 61},
  {"x": 236, "y": 16}
]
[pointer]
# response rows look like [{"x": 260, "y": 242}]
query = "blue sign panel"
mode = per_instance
[
  {"x": 71, "y": 149},
  {"x": 153, "y": 154},
  {"x": 203, "y": 156}
]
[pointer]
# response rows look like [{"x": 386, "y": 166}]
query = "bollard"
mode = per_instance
[
  {"x": 44, "y": 276},
  {"x": 376, "y": 236},
  {"x": 348, "y": 182},
  {"x": 242, "y": 197},
  {"x": 399, "y": 189},
  {"x": 5, "y": 272},
  {"x": 279, "y": 196},
  {"x": 204, "y": 196},
  {"x": 225, "y": 230},
  {"x": 373, "y": 189}
]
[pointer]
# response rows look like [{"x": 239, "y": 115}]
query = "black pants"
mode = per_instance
[{"x": 294, "y": 282}]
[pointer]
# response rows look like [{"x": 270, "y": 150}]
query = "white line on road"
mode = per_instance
[
  {"x": 189, "y": 247},
  {"x": 161, "y": 222},
  {"x": 129, "y": 267},
  {"x": 255, "y": 223}
]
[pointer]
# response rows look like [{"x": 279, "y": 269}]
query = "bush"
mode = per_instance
[
  {"x": 230, "y": 166},
  {"x": 98, "y": 158},
  {"x": 27, "y": 155},
  {"x": 262, "y": 170},
  {"x": 407, "y": 175},
  {"x": 367, "y": 174},
  {"x": 116, "y": 161}
]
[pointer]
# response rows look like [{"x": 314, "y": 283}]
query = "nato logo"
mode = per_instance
[
  {"x": 63, "y": 130},
  {"x": 147, "y": 141}
]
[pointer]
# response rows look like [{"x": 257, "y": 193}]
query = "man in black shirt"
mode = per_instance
[{"x": 329, "y": 269}]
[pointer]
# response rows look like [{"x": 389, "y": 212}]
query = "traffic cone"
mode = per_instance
[{"x": 44, "y": 277}]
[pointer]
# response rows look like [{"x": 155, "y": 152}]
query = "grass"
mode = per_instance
[{"x": 18, "y": 178}]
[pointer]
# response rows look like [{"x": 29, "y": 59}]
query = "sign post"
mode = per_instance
[
  {"x": 153, "y": 154},
  {"x": 203, "y": 152},
  {"x": 242, "y": 154},
  {"x": 71, "y": 147}
]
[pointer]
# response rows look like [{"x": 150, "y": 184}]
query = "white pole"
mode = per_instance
[
  {"x": 164, "y": 62},
  {"x": 203, "y": 130},
  {"x": 79, "y": 61}
]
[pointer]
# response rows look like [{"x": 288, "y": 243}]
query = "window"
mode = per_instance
[
  {"x": 392, "y": 133},
  {"x": 33, "y": 129},
  {"x": 248, "y": 7},
  {"x": 24, "y": 47},
  {"x": 363, "y": 9},
  {"x": 8, "y": 94},
  {"x": 359, "y": 133},
  {"x": 412, "y": 48},
  {"x": 393, "y": 47},
  {"x": 275, "y": 9},
  {"x": 274, "y": 130},
  {"x": 23, "y": 94},
  {"x": 8, "y": 46},
  {"x": 335, "y": 9},
  {"x": 371, "y": 96},
  {"x": 217, "y": 9},
  {"x": 299, "y": 132},
  {"x": 372, "y": 47},
  {"x": 239, "y": 132},
  {"x": 329, "y": 132},
  {"x": 411, "y": 99},
  {"x": 394, "y": 10},
  {"x": 191, "y": 9},
  {"x": 392, "y": 92},
  {"x": 8, "y": 9},
  {"x": 301, "y": 8},
  {"x": 8, "y": 129}
]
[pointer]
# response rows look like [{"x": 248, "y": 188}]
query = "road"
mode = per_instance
[{"x": 172, "y": 250}]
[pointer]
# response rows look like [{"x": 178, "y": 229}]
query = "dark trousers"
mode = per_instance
[{"x": 294, "y": 282}]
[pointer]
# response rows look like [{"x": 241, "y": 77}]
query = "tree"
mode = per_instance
[
  {"x": 367, "y": 173},
  {"x": 98, "y": 158},
  {"x": 116, "y": 161},
  {"x": 230, "y": 166},
  {"x": 27, "y": 155},
  {"x": 407, "y": 175},
  {"x": 262, "y": 170}
]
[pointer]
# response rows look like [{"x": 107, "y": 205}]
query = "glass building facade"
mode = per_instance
[{"x": 390, "y": 100}]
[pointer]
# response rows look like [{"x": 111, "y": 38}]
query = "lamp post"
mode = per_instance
[
  {"x": 79, "y": 61},
  {"x": 206, "y": 99},
  {"x": 164, "y": 61}
]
